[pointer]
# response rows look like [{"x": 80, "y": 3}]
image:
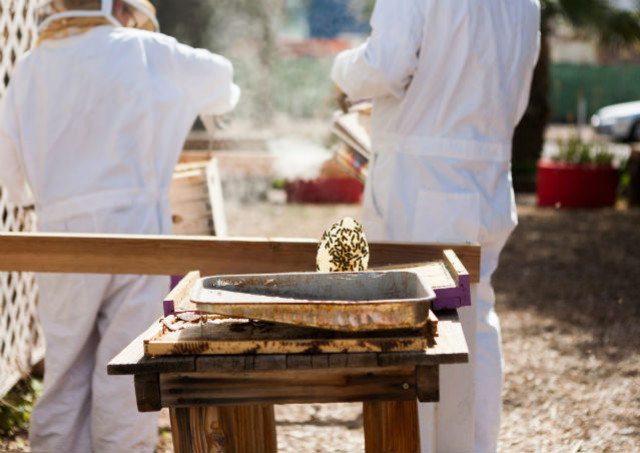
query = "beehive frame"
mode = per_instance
[{"x": 21, "y": 339}]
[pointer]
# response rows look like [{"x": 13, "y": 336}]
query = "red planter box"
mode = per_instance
[
  {"x": 576, "y": 185},
  {"x": 324, "y": 190}
]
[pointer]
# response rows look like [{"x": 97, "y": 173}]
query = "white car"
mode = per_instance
[{"x": 619, "y": 121}]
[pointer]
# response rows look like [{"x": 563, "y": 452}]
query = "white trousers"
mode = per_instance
[
  {"x": 413, "y": 197},
  {"x": 471, "y": 393},
  {"x": 87, "y": 320}
]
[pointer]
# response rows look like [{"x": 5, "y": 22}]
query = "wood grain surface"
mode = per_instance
[
  {"x": 391, "y": 426},
  {"x": 237, "y": 336},
  {"x": 177, "y": 255},
  {"x": 450, "y": 347},
  {"x": 288, "y": 387},
  {"x": 231, "y": 429}
]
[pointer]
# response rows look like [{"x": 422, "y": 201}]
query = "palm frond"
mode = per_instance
[
  {"x": 623, "y": 29},
  {"x": 613, "y": 25},
  {"x": 586, "y": 13}
]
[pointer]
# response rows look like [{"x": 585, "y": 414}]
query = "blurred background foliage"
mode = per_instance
[{"x": 250, "y": 33}]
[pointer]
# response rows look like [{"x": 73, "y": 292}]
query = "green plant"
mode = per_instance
[
  {"x": 278, "y": 183},
  {"x": 602, "y": 156},
  {"x": 625, "y": 178},
  {"x": 575, "y": 151},
  {"x": 17, "y": 405}
]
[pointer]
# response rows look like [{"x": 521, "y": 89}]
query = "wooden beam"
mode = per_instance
[
  {"x": 147, "y": 387},
  {"x": 391, "y": 426},
  {"x": 232, "y": 429},
  {"x": 177, "y": 255},
  {"x": 287, "y": 387}
]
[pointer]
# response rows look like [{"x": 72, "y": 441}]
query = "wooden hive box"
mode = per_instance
[{"x": 197, "y": 204}]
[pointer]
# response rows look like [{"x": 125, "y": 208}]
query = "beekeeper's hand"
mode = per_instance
[{"x": 341, "y": 99}]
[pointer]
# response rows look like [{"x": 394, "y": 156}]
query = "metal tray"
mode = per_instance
[{"x": 350, "y": 301}]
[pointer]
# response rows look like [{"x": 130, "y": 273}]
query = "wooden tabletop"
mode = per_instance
[{"x": 450, "y": 347}]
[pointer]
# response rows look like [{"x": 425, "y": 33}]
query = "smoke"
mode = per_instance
[{"x": 296, "y": 158}]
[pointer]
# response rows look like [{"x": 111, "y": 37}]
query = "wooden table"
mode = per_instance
[
  {"x": 206, "y": 421},
  {"x": 225, "y": 402}
]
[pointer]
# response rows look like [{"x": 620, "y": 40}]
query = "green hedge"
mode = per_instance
[{"x": 601, "y": 86}]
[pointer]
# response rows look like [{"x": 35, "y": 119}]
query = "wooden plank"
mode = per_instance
[
  {"x": 436, "y": 273},
  {"x": 391, "y": 426},
  {"x": 186, "y": 189},
  {"x": 147, "y": 387},
  {"x": 269, "y": 362},
  {"x": 275, "y": 362},
  {"x": 183, "y": 167},
  {"x": 192, "y": 209},
  {"x": 454, "y": 265},
  {"x": 177, "y": 255},
  {"x": 220, "y": 335},
  {"x": 224, "y": 364},
  {"x": 388, "y": 253},
  {"x": 233, "y": 429},
  {"x": 299, "y": 361},
  {"x": 287, "y": 387},
  {"x": 450, "y": 347},
  {"x": 131, "y": 360},
  {"x": 216, "y": 200},
  {"x": 179, "y": 295},
  {"x": 195, "y": 226}
]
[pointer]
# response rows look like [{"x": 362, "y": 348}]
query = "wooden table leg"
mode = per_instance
[
  {"x": 224, "y": 429},
  {"x": 391, "y": 427}
]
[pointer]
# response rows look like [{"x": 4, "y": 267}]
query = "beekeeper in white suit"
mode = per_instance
[
  {"x": 450, "y": 81},
  {"x": 91, "y": 127}
]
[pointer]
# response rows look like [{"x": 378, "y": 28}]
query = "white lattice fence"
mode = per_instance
[{"x": 21, "y": 340}]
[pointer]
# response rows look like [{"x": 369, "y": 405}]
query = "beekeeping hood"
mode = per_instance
[{"x": 49, "y": 11}]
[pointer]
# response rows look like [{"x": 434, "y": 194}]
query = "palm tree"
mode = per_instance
[{"x": 612, "y": 25}]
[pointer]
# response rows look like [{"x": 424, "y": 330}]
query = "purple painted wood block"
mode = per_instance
[
  {"x": 175, "y": 279},
  {"x": 168, "y": 307},
  {"x": 454, "y": 297}
]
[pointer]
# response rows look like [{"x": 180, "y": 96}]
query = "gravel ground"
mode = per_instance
[{"x": 570, "y": 311}]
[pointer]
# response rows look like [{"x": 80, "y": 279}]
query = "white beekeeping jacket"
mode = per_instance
[
  {"x": 449, "y": 81},
  {"x": 443, "y": 81},
  {"x": 98, "y": 120}
]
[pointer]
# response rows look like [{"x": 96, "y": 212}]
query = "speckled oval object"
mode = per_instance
[{"x": 343, "y": 248}]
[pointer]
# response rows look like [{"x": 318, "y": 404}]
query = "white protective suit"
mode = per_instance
[
  {"x": 91, "y": 128},
  {"x": 450, "y": 81}
]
